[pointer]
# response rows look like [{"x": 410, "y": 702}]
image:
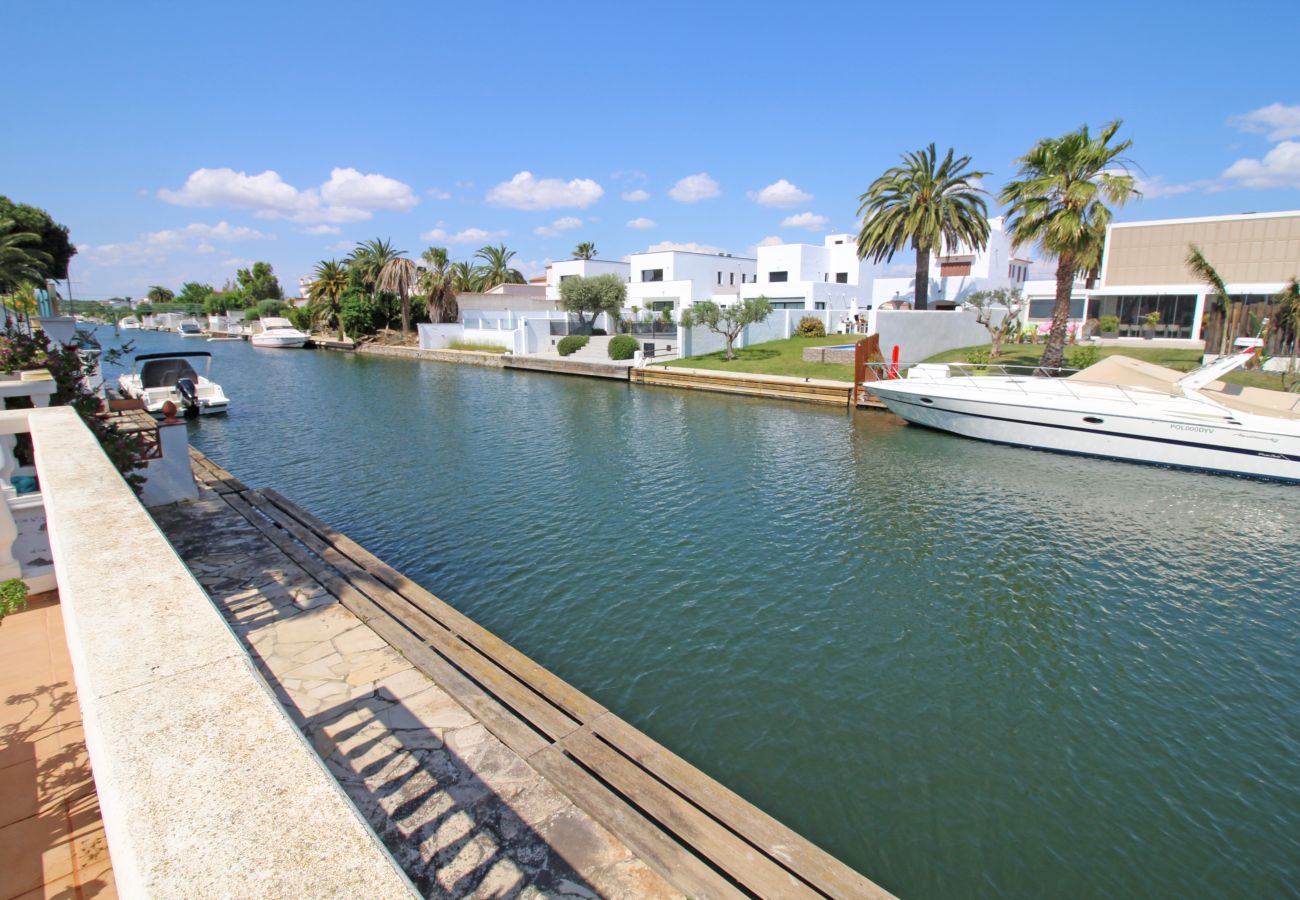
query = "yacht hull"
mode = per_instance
[{"x": 1188, "y": 441}]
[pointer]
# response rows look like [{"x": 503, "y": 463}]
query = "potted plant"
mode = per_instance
[
  {"x": 13, "y": 597},
  {"x": 1151, "y": 321},
  {"x": 1109, "y": 326}
]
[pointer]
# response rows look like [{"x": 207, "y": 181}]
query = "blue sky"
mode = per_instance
[{"x": 318, "y": 125}]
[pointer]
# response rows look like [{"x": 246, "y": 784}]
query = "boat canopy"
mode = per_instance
[
  {"x": 158, "y": 373},
  {"x": 1124, "y": 371},
  {"x": 180, "y": 354}
]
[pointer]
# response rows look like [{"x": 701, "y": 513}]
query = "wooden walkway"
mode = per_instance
[{"x": 702, "y": 837}]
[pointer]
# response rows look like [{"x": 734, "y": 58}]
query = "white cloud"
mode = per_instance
[
  {"x": 780, "y": 194},
  {"x": 464, "y": 236},
  {"x": 809, "y": 220},
  {"x": 567, "y": 223},
  {"x": 1280, "y": 168},
  {"x": 526, "y": 192},
  {"x": 531, "y": 267},
  {"x": 1276, "y": 120},
  {"x": 637, "y": 196},
  {"x": 236, "y": 262},
  {"x": 322, "y": 229},
  {"x": 348, "y": 195},
  {"x": 690, "y": 246},
  {"x": 155, "y": 246},
  {"x": 641, "y": 223},
  {"x": 438, "y": 194},
  {"x": 694, "y": 188},
  {"x": 771, "y": 241},
  {"x": 1156, "y": 187},
  {"x": 205, "y": 248},
  {"x": 342, "y": 245}
]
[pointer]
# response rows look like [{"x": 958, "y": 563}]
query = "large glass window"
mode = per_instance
[
  {"x": 778, "y": 276},
  {"x": 652, "y": 274},
  {"x": 1176, "y": 312}
]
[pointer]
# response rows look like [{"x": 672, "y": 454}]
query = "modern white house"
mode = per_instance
[
  {"x": 565, "y": 269},
  {"x": 828, "y": 276},
  {"x": 673, "y": 279},
  {"x": 957, "y": 272}
]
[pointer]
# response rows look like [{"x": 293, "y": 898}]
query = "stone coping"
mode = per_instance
[
  {"x": 756, "y": 377},
  {"x": 206, "y": 786}
]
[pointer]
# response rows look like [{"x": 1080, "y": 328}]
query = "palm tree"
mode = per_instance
[
  {"x": 329, "y": 281},
  {"x": 398, "y": 276},
  {"x": 585, "y": 250},
  {"x": 368, "y": 259},
  {"x": 466, "y": 278},
  {"x": 1059, "y": 203},
  {"x": 159, "y": 295},
  {"x": 932, "y": 204},
  {"x": 1287, "y": 319},
  {"x": 1206, "y": 272},
  {"x": 20, "y": 261},
  {"x": 496, "y": 268},
  {"x": 436, "y": 285}
]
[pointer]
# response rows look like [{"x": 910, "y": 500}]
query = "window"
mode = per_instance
[
  {"x": 819, "y": 306},
  {"x": 719, "y": 278},
  {"x": 564, "y": 278},
  {"x": 732, "y": 279},
  {"x": 841, "y": 277},
  {"x": 778, "y": 276},
  {"x": 652, "y": 274}
]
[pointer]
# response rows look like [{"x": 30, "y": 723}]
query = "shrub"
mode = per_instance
[
  {"x": 623, "y": 347},
  {"x": 599, "y": 332},
  {"x": 1108, "y": 324},
  {"x": 13, "y": 596},
  {"x": 1082, "y": 356},
  {"x": 571, "y": 344},
  {"x": 357, "y": 313},
  {"x": 980, "y": 356},
  {"x": 300, "y": 316},
  {"x": 267, "y": 308},
  {"x": 810, "y": 327},
  {"x": 1153, "y": 319},
  {"x": 477, "y": 346}
]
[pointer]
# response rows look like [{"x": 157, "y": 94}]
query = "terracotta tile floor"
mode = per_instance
[{"x": 51, "y": 837}]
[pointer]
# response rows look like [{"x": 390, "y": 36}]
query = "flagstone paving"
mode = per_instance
[{"x": 463, "y": 814}]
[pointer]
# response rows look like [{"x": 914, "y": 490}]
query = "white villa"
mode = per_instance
[
  {"x": 957, "y": 272},
  {"x": 673, "y": 279},
  {"x": 809, "y": 276},
  {"x": 565, "y": 269}
]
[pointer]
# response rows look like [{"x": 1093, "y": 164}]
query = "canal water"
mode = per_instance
[{"x": 967, "y": 670}]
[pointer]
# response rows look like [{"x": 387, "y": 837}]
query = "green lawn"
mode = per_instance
[
  {"x": 776, "y": 358},
  {"x": 1182, "y": 360}
]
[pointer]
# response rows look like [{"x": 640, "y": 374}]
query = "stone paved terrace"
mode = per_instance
[
  {"x": 51, "y": 836},
  {"x": 463, "y": 814}
]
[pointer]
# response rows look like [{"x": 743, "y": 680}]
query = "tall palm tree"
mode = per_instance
[
  {"x": 159, "y": 294},
  {"x": 1287, "y": 317},
  {"x": 585, "y": 250},
  {"x": 930, "y": 203},
  {"x": 1203, "y": 270},
  {"x": 368, "y": 259},
  {"x": 398, "y": 276},
  {"x": 497, "y": 268},
  {"x": 329, "y": 281},
  {"x": 1059, "y": 203},
  {"x": 436, "y": 285},
  {"x": 21, "y": 259},
  {"x": 466, "y": 278}
]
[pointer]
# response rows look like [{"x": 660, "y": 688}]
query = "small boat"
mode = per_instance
[
  {"x": 277, "y": 332},
  {"x": 159, "y": 377},
  {"x": 218, "y": 336},
  {"x": 190, "y": 330},
  {"x": 130, "y": 323},
  {"x": 1119, "y": 408}
]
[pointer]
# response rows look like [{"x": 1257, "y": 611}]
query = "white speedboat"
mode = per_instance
[
  {"x": 277, "y": 332},
  {"x": 130, "y": 323},
  {"x": 159, "y": 377},
  {"x": 190, "y": 330},
  {"x": 1120, "y": 408}
]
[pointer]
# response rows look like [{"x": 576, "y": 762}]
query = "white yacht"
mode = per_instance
[
  {"x": 1120, "y": 408},
  {"x": 130, "y": 323},
  {"x": 190, "y": 330},
  {"x": 277, "y": 332},
  {"x": 159, "y": 377}
]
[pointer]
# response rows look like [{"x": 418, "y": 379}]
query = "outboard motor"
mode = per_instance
[{"x": 189, "y": 396}]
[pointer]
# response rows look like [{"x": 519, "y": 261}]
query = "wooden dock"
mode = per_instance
[{"x": 700, "y": 836}]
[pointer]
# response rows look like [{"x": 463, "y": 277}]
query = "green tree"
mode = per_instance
[
  {"x": 196, "y": 294},
  {"x": 21, "y": 257},
  {"x": 259, "y": 283},
  {"x": 1206, "y": 272},
  {"x": 497, "y": 268},
  {"x": 52, "y": 238},
  {"x": 436, "y": 285},
  {"x": 727, "y": 321},
  {"x": 358, "y": 313},
  {"x": 585, "y": 250},
  {"x": 398, "y": 276},
  {"x": 930, "y": 204},
  {"x": 589, "y": 297},
  {"x": 159, "y": 295},
  {"x": 466, "y": 278},
  {"x": 1059, "y": 204},
  {"x": 329, "y": 281}
]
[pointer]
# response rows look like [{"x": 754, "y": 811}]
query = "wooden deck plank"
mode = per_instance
[
  {"x": 687, "y": 823},
  {"x": 797, "y": 853},
  {"x": 643, "y": 837},
  {"x": 570, "y": 699},
  {"x": 531, "y": 706}
]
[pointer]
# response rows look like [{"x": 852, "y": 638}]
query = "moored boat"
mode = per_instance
[
  {"x": 278, "y": 332},
  {"x": 1119, "y": 408},
  {"x": 159, "y": 377}
]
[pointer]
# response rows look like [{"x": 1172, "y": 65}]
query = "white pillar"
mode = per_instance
[{"x": 1197, "y": 314}]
